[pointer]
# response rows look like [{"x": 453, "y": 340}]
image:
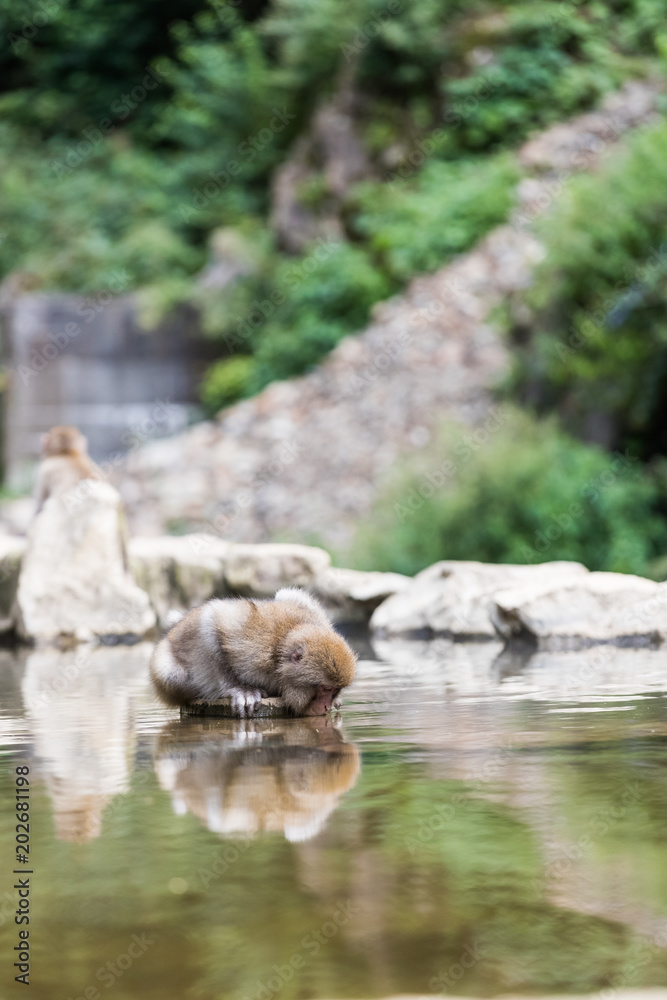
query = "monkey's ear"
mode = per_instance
[{"x": 298, "y": 653}]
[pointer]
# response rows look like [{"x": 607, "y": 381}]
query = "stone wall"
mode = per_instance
[{"x": 86, "y": 361}]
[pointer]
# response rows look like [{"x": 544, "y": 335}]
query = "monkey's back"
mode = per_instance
[
  {"x": 252, "y": 632},
  {"x": 60, "y": 473}
]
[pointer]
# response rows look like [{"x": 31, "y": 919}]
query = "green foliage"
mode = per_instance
[
  {"x": 64, "y": 64},
  {"x": 415, "y": 226},
  {"x": 516, "y": 491},
  {"x": 289, "y": 350},
  {"x": 226, "y": 381},
  {"x": 82, "y": 228},
  {"x": 292, "y": 312},
  {"x": 97, "y": 183},
  {"x": 409, "y": 49},
  {"x": 308, "y": 38},
  {"x": 548, "y": 63},
  {"x": 597, "y": 339},
  {"x": 327, "y": 296},
  {"x": 227, "y": 116}
]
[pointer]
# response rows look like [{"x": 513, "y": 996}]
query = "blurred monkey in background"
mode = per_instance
[{"x": 65, "y": 462}]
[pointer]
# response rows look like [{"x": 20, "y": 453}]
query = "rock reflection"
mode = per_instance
[
  {"x": 80, "y": 705},
  {"x": 494, "y": 670},
  {"x": 241, "y": 778}
]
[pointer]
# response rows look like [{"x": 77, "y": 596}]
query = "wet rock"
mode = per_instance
[
  {"x": 351, "y": 595},
  {"x": 456, "y": 598},
  {"x": 599, "y": 607},
  {"x": 261, "y": 570},
  {"x": 268, "y": 708},
  {"x": 179, "y": 572},
  {"x": 74, "y": 581}
]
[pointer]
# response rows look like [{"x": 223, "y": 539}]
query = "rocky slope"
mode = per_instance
[{"x": 303, "y": 459}]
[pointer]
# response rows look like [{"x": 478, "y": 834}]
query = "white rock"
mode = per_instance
[
  {"x": 261, "y": 570},
  {"x": 597, "y": 608},
  {"x": 351, "y": 595},
  {"x": 74, "y": 579},
  {"x": 455, "y": 598},
  {"x": 179, "y": 571}
]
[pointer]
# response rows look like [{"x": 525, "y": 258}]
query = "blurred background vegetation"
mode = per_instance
[{"x": 115, "y": 119}]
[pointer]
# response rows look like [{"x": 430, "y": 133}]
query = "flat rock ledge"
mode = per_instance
[
  {"x": 179, "y": 572},
  {"x": 268, "y": 708},
  {"x": 559, "y": 605}
]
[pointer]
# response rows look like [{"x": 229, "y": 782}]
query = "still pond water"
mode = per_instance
[{"x": 476, "y": 822}]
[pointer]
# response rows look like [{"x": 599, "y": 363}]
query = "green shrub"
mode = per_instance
[
  {"x": 338, "y": 281},
  {"x": 519, "y": 491},
  {"x": 418, "y": 225},
  {"x": 225, "y": 382},
  {"x": 597, "y": 340},
  {"x": 321, "y": 307},
  {"x": 547, "y": 63},
  {"x": 284, "y": 352},
  {"x": 308, "y": 305}
]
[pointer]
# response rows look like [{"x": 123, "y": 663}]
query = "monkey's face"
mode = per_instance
[
  {"x": 324, "y": 699},
  {"x": 316, "y": 665},
  {"x": 63, "y": 441},
  {"x": 311, "y": 699}
]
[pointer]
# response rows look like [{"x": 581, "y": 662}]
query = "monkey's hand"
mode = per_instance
[{"x": 245, "y": 701}]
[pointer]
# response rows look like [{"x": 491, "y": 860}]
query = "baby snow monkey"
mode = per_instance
[
  {"x": 246, "y": 649},
  {"x": 65, "y": 462}
]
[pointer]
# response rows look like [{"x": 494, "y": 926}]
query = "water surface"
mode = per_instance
[{"x": 476, "y": 822}]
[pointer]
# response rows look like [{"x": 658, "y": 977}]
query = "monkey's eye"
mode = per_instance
[{"x": 296, "y": 655}]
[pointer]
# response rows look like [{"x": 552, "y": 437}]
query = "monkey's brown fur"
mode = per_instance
[
  {"x": 65, "y": 463},
  {"x": 241, "y": 648}
]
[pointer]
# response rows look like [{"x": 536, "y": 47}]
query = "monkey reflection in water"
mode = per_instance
[{"x": 242, "y": 777}]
